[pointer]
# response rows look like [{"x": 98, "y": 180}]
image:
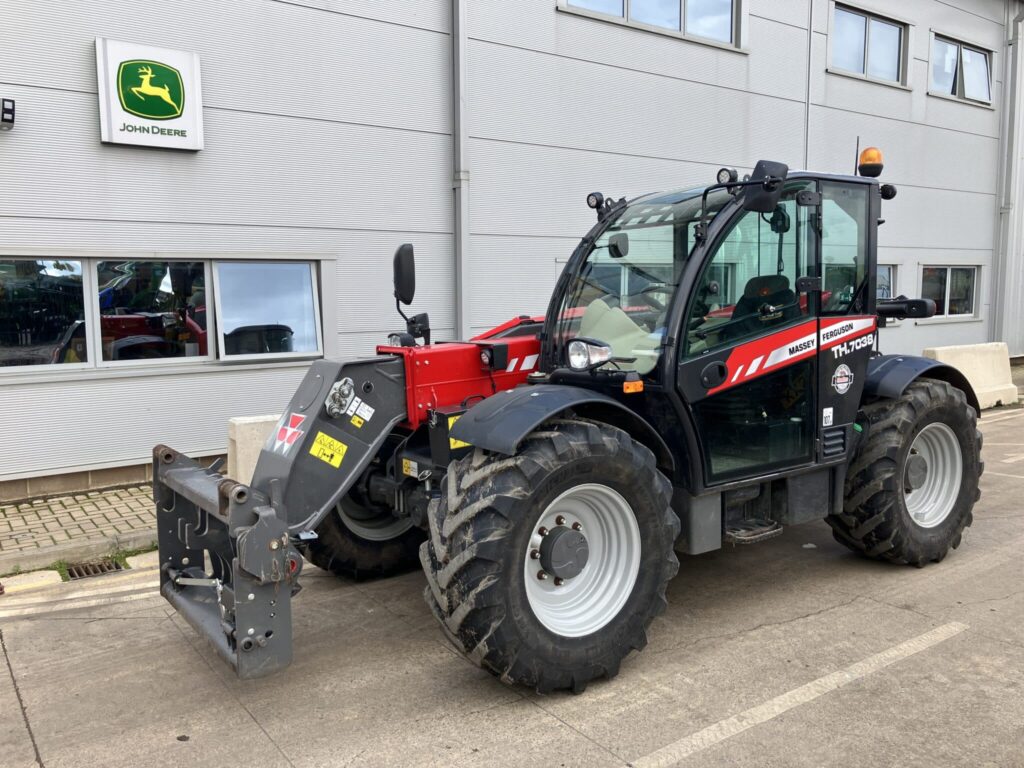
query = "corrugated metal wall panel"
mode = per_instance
[
  {"x": 257, "y": 58},
  {"x": 53, "y": 427},
  {"x": 268, "y": 170}
]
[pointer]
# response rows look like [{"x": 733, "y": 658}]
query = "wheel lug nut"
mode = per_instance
[
  {"x": 534, "y": 554},
  {"x": 559, "y": 581},
  {"x": 541, "y": 575},
  {"x": 559, "y": 520},
  {"x": 542, "y": 531},
  {"x": 577, "y": 527}
]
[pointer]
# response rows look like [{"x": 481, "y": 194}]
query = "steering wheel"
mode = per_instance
[{"x": 654, "y": 288}]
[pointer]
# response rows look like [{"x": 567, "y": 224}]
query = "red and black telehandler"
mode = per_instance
[{"x": 707, "y": 372}]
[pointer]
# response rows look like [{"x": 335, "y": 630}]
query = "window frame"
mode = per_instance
[
  {"x": 222, "y": 357},
  {"x": 975, "y": 298},
  {"x": 740, "y": 15},
  {"x": 958, "y": 79},
  {"x": 96, "y": 312},
  {"x": 325, "y": 304},
  {"x": 906, "y": 43},
  {"x": 87, "y": 287}
]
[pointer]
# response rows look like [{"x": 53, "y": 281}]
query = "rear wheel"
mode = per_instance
[
  {"x": 911, "y": 488},
  {"x": 547, "y": 567},
  {"x": 360, "y": 541}
]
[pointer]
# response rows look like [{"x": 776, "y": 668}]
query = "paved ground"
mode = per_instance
[
  {"x": 35, "y": 534},
  {"x": 789, "y": 653}
]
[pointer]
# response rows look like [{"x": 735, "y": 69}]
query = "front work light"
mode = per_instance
[
  {"x": 584, "y": 355},
  {"x": 725, "y": 175},
  {"x": 594, "y": 200},
  {"x": 870, "y": 162}
]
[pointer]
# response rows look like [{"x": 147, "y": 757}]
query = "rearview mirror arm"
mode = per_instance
[{"x": 700, "y": 230}]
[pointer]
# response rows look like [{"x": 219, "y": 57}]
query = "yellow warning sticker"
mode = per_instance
[
  {"x": 328, "y": 450},
  {"x": 452, "y": 442},
  {"x": 357, "y": 422},
  {"x": 410, "y": 468}
]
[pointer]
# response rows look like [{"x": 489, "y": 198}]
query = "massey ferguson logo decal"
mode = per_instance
[
  {"x": 288, "y": 433},
  {"x": 842, "y": 379},
  {"x": 837, "y": 331}
]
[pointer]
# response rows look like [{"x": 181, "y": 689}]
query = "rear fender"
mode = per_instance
[
  {"x": 500, "y": 422},
  {"x": 889, "y": 375}
]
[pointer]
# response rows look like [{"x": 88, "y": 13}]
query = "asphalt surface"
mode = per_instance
[{"x": 793, "y": 652}]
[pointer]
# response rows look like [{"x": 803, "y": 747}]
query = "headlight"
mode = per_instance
[{"x": 586, "y": 354}]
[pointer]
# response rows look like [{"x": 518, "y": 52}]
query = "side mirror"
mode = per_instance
[
  {"x": 618, "y": 245},
  {"x": 763, "y": 197},
  {"x": 405, "y": 274}
]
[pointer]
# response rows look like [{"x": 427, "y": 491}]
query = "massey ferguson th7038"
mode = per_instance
[{"x": 707, "y": 372}]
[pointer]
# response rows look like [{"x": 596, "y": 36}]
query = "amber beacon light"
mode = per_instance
[{"x": 870, "y": 162}]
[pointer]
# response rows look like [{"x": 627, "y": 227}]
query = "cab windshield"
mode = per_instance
[{"x": 621, "y": 294}]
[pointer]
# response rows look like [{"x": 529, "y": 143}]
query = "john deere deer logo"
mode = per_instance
[{"x": 150, "y": 89}]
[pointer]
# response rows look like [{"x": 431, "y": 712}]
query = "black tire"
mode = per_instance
[
  {"x": 480, "y": 531},
  {"x": 340, "y": 550},
  {"x": 875, "y": 520}
]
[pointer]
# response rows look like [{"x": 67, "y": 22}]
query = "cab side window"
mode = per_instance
[
  {"x": 844, "y": 227},
  {"x": 749, "y": 285}
]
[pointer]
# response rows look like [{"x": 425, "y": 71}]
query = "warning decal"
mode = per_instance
[
  {"x": 452, "y": 442},
  {"x": 328, "y": 450}
]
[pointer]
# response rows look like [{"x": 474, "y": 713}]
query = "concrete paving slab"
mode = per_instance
[
  {"x": 953, "y": 704},
  {"x": 110, "y": 676},
  {"x": 27, "y": 581},
  {"x": 16, "y": 747}
]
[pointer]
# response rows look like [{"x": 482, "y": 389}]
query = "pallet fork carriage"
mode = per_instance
[{"x": 707, "y": 372}]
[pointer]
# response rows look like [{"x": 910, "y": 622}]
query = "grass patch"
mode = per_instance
[
  {"x": 121, "y": 556},
  {"x": 61, "y": 567}
]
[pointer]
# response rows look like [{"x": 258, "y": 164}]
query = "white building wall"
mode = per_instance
[{"x": 328, "y": 131}]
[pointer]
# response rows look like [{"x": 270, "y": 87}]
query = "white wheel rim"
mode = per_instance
[
  {"x": 585, "y": 603},
  {"x": 930, "y": 504}
]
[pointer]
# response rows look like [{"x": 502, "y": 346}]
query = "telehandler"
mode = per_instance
[{"x": 707, "y": 372}]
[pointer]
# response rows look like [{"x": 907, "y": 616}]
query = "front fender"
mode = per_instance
[
  {"x": 500, "y": 422},
  {"x": 889, "y": 375}
]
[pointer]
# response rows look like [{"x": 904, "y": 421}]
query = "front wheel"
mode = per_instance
[
  {"x": 360, "y": 540},
  {"x": 911, "y": 488},
  {"x": 547, "y": 567}
]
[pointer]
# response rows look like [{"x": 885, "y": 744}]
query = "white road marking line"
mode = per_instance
[
  {"x": 985, "y": 421},
  {"x": 726, "y": 729},
  {"x": 1012, "y": 458},
  {"x": 1002, "y": 474}
]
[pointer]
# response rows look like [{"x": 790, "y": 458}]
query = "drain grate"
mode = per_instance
[{"x": 85, "y": 570}]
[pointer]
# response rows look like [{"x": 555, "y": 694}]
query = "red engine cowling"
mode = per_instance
[{"x": 457, "y": 373}]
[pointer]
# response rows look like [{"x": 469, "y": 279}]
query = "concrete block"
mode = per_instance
[
  {"x": 987, "y": 368},
  {"x": 246, "y": 436}
]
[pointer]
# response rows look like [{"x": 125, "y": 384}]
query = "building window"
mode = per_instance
[
  {"x": 951, "y": 288},
  {"x": 267, "y": 308},
  {"x": 868, "y": 45},
  {"x": 42, "y": 313},
  {"x": 89, "y": 313},
  {"x": 151, "y": 309},
  {"x": 708, "y": 19},
  {"x": 960, "y": 71},
  {"x": 885, "y": 284}
]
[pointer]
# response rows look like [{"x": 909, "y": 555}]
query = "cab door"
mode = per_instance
[{"x": 748, "y": 353}]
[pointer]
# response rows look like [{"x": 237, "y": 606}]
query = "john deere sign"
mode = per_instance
[{"x": 149, "y": 96}]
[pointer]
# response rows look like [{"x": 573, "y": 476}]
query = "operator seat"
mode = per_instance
[
  {"x": 627, "y": 339},
  {"x": 762, "y": 290}
]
